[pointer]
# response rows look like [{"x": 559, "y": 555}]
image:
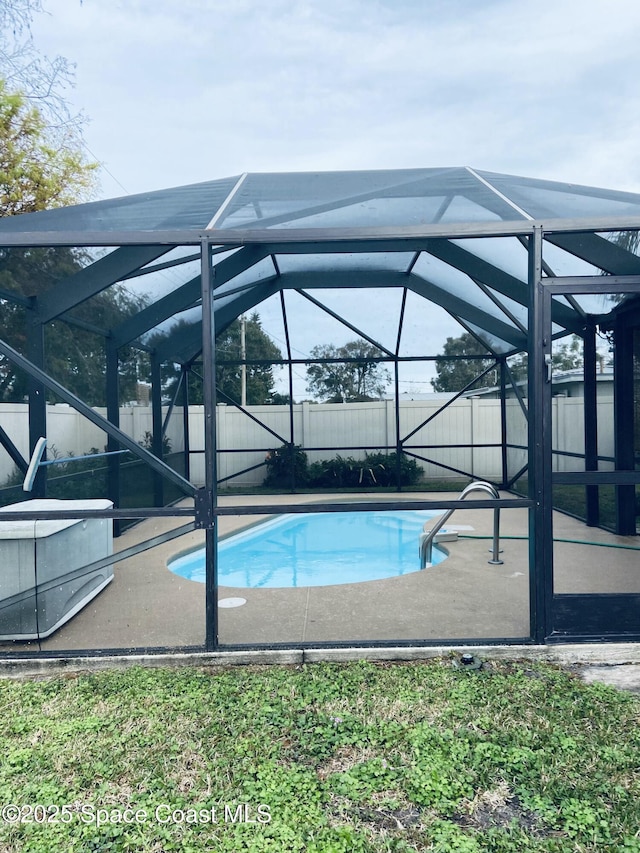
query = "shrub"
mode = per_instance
[
  {"x": 343, "y": 472},
  {"x": 337, "y": 473},
  {"x": 383, "y": 468},
  {"x": 147, "y": 443},
  {"x": 282, "y": 463}
]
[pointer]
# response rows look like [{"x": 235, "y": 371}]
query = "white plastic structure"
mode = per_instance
[
  {"x": 44, "y": 579},
  {"x": 34, "y": 464},
  {"x": 36, "y": 461}
]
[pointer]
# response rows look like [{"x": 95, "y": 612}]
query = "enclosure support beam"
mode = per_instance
[
  {"x": 184, "y": 296},
  {"x": 291, "y": 443},
  {"x": 126, "y": 441},
  {"x": 210, "y": 496},
  {"x": 37, "y": 398},
  {"x": 396, "y": 416},
  {"x": 185, "y": 421},
  {"x": 591, "y": 421},
  {"x": 596, "y": 250},
  {"x": 396, "y": 374},
  {"x": 540, "y": 516},
  {"x": 623, "y": 420},
  {"x": 185, "y": 344},
  {"x": 95, "y": 278},
  {"x": 502, "y": 282},
  {"x": 503, "y": 422},
  {"x": 113, "y": 416},
  {"x": 156, "y": 428}
]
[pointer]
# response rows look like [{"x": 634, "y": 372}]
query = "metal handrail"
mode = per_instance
[{"x": 426, "y": 539}]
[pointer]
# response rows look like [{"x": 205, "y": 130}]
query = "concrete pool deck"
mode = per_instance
[{"x": 147, "y": 606}]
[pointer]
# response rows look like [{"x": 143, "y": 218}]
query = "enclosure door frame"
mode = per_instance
[{"x": 579, "y": 616}]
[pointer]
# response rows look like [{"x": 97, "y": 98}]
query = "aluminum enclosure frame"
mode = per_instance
[{"x": 151, "y": 245}]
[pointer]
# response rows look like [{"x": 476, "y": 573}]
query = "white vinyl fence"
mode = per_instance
[
  {"x": 471, "y": 421},
  {"x": 353, "y": 425},
  {"x": 69, "y": 433}
]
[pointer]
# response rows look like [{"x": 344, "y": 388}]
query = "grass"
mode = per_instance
[{"x": 323, "y": 758}]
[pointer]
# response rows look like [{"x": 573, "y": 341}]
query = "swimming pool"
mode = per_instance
[{"x": 316, "y": 549}]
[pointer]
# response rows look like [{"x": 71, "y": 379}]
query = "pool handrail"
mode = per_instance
[{"x": 426, "y": 538}]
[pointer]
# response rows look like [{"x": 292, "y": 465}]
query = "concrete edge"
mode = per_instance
[
  {"x": 614, "y": 654},
  {"x": 602, "y": 654},
  {"x": 29, "y": 667}
]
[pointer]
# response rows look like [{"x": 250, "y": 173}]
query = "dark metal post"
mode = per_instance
[
  {"x": 37, "y": 397},
  {"x": 113, "y": 416},
  {"x": 156, "y": 429},
  {"x": 399, "y": 450},
  {"x": 185, "y": 422},
  {"x": 396, "y": 365},
  {"x": 210, "y": 495},
  {"x": 291, "y": 448},
  {"x": 503, "y": 422},
  {"x": 540, "y": 516},
  {"x": 623, "y": 427},
  {"x": 291, "y": 453},
  {"x": 591, "y": 421}
]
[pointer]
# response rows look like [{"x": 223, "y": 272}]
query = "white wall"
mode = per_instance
[
  {"x": 567, "y": 420},
  {"x": 69, "y": 433},
  {"x": 466, "y": 421}
]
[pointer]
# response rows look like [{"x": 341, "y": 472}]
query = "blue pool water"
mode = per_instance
[{"x": 316, "y": 549}]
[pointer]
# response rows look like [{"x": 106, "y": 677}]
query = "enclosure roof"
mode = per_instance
[
  {"x": 456, "y": 237},
  {"x": 401, "y": 198}
]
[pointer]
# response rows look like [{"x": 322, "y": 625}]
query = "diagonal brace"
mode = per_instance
[{"x": 95, "y": 418}]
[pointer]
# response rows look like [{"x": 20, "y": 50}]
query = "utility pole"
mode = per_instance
[{"x": 243, "y": 356}]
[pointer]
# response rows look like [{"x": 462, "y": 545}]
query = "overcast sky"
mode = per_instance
[{"x": 181, "y": 91}]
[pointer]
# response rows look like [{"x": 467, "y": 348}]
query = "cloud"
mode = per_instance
[{"x": 181, "y": 92}]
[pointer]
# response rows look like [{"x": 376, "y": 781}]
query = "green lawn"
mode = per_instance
[{"x": 324, "y": 757}]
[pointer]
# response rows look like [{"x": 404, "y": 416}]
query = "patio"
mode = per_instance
[
  {"x": 146, "y": 605},
  {"x": 519, "y": 264}
]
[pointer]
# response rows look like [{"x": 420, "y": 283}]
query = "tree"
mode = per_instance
[
  {"x": 457, "y": 374},
  {"x": 37, "y": 171},
  {"x": 41, "y": 80},
  {"x": 629, "y": 240},
  {"x": 258, "y": 346},
  {"x": 35, "y": 174},
  {"x": 74, "y": 355},
  {"x": 344, "y": 380},
  {"x": 566, "y": 355},
  {"x": 259, "y": 377},
  {"x": 43, "y": 165}
]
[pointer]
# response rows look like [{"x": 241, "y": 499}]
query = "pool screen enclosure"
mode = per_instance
[{"x": 520, "y": 264}]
